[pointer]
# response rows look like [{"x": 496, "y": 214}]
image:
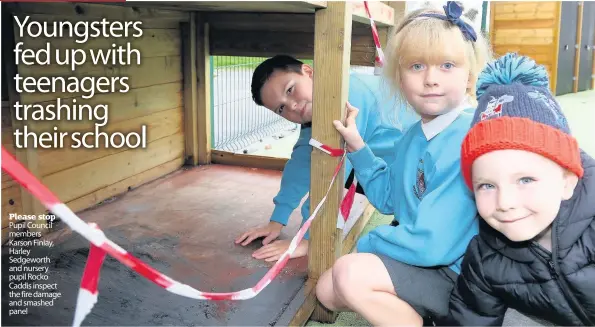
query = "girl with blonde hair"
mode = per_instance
[{"x": 404, "y": 272}]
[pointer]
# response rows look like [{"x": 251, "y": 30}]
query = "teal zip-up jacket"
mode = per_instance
[
  {"x": 425, "y": 190},
  {"x": 364, "y": 94}
]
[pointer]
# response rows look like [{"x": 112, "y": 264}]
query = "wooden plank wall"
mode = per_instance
[
  {"x": 84, "y": 177},
  {"x": 528, "y": 28},
  {"x": 237, "y": 34}
]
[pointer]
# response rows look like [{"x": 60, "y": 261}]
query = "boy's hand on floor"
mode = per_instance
[
  {"x": 349, "y": 130},
  {"x": 273, "y": 251},
  {"x": 270, "y": 232}
]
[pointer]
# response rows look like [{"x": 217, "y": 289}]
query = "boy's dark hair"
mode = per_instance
[{"x": 266, "y": 69}]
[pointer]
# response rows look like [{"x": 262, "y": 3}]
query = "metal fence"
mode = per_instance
[{"x": 237, "y": 122}]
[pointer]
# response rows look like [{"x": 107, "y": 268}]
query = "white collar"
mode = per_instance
[{"x": 440, "y": 123}]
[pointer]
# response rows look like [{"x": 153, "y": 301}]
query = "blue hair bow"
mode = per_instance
[{"x": 453, "y": 13}]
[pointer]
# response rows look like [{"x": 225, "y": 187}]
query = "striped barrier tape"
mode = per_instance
[
  {"x": 347, "y": 202},
  {"x": 101, "y": 245},
  {"x": 379, "y": 54}
]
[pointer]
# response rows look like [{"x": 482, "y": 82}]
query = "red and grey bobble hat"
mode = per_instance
[{"x": 516, "y": 110}]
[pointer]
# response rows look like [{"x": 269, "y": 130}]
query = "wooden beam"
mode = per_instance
[
  {"x": 383, "y": 33},
  {"x": 245, "y": 160},
  {"x": 577, "y": 53},
  {"x": 234, "y": 35},
  {"x": 333, "y": 28},
  {"x": 258, "y": 43},
  {"x": 351, "y": 239},
  {"x": 239, "y": 6},
  {"x": 555, "y": 47},
  {"x": 26, "y": 156},
  {"x": 399, "y": 12},
  {"x": 190, "y": 90},
  {"x": 78, "y": 11},
  {"x": 308, "y": 299},
  {"x": 249, "y": 21},
  {"x": 308, "y": 302},
  {"x": 203, "y": 68},
  {"x": 382, "y": 13}
]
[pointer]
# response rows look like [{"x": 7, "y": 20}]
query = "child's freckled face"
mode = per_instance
[
  {"x": 519, "y": 193},
  {"x": 289, "y": 95}
]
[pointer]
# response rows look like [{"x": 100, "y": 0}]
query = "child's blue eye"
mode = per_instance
[
  {"x": 289, "y": 90},
  {"x": 526, "y": 180},
  {"x": 485, "y": 186},
  {"x": 417, "y": 66},
  {"x": 448, "y": 65}
]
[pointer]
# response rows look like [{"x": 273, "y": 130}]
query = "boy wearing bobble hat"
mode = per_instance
[{"x": 535, "y": 191}]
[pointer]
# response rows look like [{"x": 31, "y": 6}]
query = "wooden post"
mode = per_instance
[
  {"x": 399, "y": 10},
  {"x": 203, "y": 68},
  {"x": 555, "y": 47},
  {"x": 190, "y": 90},
  {"x": 332, "y": 44},
  {"x": 577, "y": 54},
  {"x": 26, "y": 156}
]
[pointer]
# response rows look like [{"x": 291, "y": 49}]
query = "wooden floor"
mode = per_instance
[{"x": 183, "y": 225}]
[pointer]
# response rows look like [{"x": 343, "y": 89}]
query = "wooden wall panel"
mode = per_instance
[
  {"x": 235, "y": 34},
  {"x": 84, "y": 177},
  {"x": 81, "y": 180},
  {"x": 527, "y": 28}
]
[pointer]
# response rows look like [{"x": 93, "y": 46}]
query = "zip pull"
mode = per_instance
[{"x": 552, "y": 269}]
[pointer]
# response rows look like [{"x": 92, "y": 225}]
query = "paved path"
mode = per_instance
[{"x": 579, "y": 109}]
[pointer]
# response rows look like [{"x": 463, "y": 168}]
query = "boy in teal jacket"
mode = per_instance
[{"x": 283, "y": 85}]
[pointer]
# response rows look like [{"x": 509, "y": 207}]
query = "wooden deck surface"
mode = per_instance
[{"x": 184, "y": 225}]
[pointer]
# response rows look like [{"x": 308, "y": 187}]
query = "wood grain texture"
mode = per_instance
[
  {"x": 28, "y": 157},
  {"x": 189, "y": 40},
  {"x": 331, "y": 83},
  {"x": 527, "y": 28},
  {"x": 203, "y": 68}
]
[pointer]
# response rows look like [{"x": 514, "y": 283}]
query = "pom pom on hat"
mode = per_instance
[
  {"x": 517, "y": 86},
  {"x": 516, "y": 110},
  {"x": 510, "y": 69}
]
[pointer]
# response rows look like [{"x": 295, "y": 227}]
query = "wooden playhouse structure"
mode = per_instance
[
  {"x": 557, "y": 34},
  {"x": 178, "y": 205}
]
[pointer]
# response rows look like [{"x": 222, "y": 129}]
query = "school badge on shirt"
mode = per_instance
[
  {"x": 494, "y": 107},
  {"x": 420, "y": 183}
]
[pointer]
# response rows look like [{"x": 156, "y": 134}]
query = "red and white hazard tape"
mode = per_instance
[
  {"x": 379, "y": 54},
  {"x": 101, "y": 245},
  {"x": 326, "y": 149},
  {"x": 347, "y": 202}
]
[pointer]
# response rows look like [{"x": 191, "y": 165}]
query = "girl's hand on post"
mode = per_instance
[{"x": 349, "y": 130}]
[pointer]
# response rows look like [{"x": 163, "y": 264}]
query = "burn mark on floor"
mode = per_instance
[{"x": 183, "y": 225}]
